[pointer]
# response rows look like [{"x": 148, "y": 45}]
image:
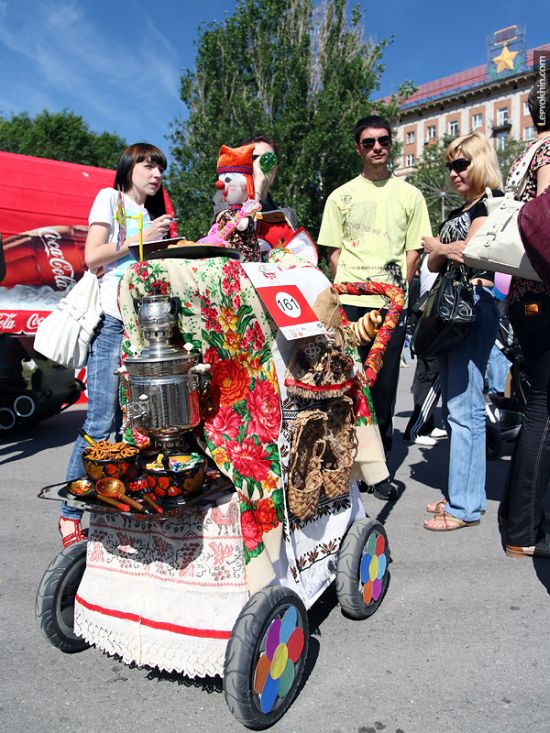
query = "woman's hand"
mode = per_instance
[
  {"x": 454, "y": 251},
  {"x": 431, "y": 244},
  {"x": 158, "y": 229}
]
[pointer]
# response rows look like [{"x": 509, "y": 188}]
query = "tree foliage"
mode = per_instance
[
  {"x": 60, "y": 136},
  {"x": 432, "y": 177},
  {"x": 300, "y": 72}
]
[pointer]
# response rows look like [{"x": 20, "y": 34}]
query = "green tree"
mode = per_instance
[
  {"x": 432, "y": 178},
  {"x": 60, "y": 136},
  {"x": 298, "y": 71},
  {"x": 507, "y": 154}
]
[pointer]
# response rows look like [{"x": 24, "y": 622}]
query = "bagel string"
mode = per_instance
[{"x": 395, "y": 297}]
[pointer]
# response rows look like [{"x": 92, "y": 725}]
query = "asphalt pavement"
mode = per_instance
[{"x": 460, "y": 642}]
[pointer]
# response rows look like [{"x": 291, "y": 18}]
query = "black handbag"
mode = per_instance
[{"x": 447, "y": 313}]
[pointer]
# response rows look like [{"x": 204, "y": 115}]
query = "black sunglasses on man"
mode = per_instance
[{"x": 368, "y": 143}]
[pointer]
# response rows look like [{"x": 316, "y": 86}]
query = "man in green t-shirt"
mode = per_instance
[{"x": 373, "y": 226}]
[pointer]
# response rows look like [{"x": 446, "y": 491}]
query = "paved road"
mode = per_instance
[{"x": 459, "y": 644}]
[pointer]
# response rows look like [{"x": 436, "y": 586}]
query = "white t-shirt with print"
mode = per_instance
[{"x": 103, "y": 212}]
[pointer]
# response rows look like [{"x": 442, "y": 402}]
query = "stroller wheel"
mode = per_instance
[
  {"x": 362, "y": 573},
  {"x": 266, "y": 656},
  {"x": 493, "y": 442},
  {"x": 56, "y": 596}
]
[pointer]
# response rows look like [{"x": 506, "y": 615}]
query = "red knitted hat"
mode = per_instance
[{"x": 237, "y": 160}]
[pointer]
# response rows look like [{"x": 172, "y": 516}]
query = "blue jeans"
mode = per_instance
[
  {"x": 497, "y": 371},
  {"x": 104, "y": 414},
  {"x": 461, "y": 372}
]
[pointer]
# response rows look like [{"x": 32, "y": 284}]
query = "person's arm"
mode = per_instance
[
  {"x": 417, "y": 229},
  {"x": 331, "y": 231},
  {"x": 543, "y": 179},
  {"x": 333, "y": 257},
  {"x": 413, "y": 258},
  {"x": 439, "y": 253}
]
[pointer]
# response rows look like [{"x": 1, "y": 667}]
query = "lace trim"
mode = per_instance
[{"x": 191, "y": 657}]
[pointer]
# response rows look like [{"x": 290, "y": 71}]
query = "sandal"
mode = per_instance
[
  {"x": 446, "y": 522},
  {"x": 76, "y": 535},
  {"x": 437, "y": 507}
]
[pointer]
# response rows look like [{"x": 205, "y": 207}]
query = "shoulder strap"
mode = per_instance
[{"x": 518, "y": 179}]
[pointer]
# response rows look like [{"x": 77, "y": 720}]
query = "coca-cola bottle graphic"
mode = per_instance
[{"x": 51, "y": 256}]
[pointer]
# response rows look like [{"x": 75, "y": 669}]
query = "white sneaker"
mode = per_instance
[
  {"x": 424, "y": 440},
  {"x": 438, "y": 433}
]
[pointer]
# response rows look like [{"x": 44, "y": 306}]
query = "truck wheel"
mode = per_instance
[
  {"x": 362, "y": 573},
  {"x": 265, "y": 657},
  {"x": 55, "y": 598}
]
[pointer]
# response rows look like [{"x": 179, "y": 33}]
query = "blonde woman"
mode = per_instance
[{"x": 473, "y": 167}]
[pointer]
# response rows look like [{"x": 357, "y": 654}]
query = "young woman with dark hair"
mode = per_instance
[{"x": 139, "y": 178}]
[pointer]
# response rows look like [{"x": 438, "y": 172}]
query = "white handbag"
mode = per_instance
[
  {"x": 65, "y": 335},
  {"x": 497, "y": 245}
]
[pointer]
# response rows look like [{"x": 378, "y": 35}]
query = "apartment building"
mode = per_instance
[{"x": 491, "y": 98}]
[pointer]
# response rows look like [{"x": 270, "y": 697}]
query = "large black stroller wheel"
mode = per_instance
[
  {"x": 265, "y": 657},
  {"x": 493, "y": 442},
  {"x": 362, "y": 573},
  {"x": 56, "y": 596}
]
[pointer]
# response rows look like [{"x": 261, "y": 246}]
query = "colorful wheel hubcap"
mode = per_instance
[
  {"x": 275, "y": 671},
  {"x": 373, "y": 568}
]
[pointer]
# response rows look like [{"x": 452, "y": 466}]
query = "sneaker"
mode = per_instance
[
  {"x": 385, "y": 491},
  {"x": 424, "y": 440},
  {"x": 438, "y": 433}
]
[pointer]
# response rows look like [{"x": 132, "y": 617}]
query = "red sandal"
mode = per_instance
[{"x": 76, "y": 535}]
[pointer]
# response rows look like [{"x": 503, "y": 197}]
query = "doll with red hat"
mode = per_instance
[{"x": 234, "y": 203}]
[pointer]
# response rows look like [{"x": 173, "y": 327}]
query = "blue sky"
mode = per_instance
[{"x": 118, "y": 64}]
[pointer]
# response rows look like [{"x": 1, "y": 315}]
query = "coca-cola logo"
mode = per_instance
[
  {"x": 33, "y": 321},
  {"x": 62, "y": 270},
  {"x": 7, "y": 321}
]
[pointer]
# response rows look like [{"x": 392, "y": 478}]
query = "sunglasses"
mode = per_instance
[
  {"x": 368, "y": 143},
  {"x": 459, "y": 165}
]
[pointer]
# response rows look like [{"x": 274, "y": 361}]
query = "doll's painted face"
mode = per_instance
[{"x": 230, "y": 189}]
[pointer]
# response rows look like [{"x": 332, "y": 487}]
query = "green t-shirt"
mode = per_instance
[{"x": 374, "y": 223}]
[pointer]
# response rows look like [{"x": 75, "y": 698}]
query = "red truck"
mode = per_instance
[{"x": 44, "y": 206}]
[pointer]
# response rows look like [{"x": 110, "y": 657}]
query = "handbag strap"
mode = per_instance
[{"x": 518, "y": 180}]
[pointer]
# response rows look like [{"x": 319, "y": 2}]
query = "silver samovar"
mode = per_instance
[{"x": 164, "y": 379}]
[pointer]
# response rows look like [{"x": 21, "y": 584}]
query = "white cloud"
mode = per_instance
[{"x": 115, "y": 71}]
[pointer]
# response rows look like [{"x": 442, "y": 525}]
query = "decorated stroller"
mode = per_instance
[{"x": 263, "y": 390}]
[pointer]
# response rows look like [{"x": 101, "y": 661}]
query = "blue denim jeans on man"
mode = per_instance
[
  {"x": 461, "y": 373},
  {"x": 103, "y": 397}
]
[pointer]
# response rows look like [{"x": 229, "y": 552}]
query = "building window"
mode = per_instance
[
  {"x": 502, "y": 116},
  {"x": 529, "y": 133},
  {"x": 501, "y": 140},
  {"x": 409, "y": 160},
  {"x": 411, "y": 137},
  {"x": 430, "y": 133},
  {"x": 453, "y": 128},
  {"x": 526, "y": 109},
  {"x": 477, "y": 120}
]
